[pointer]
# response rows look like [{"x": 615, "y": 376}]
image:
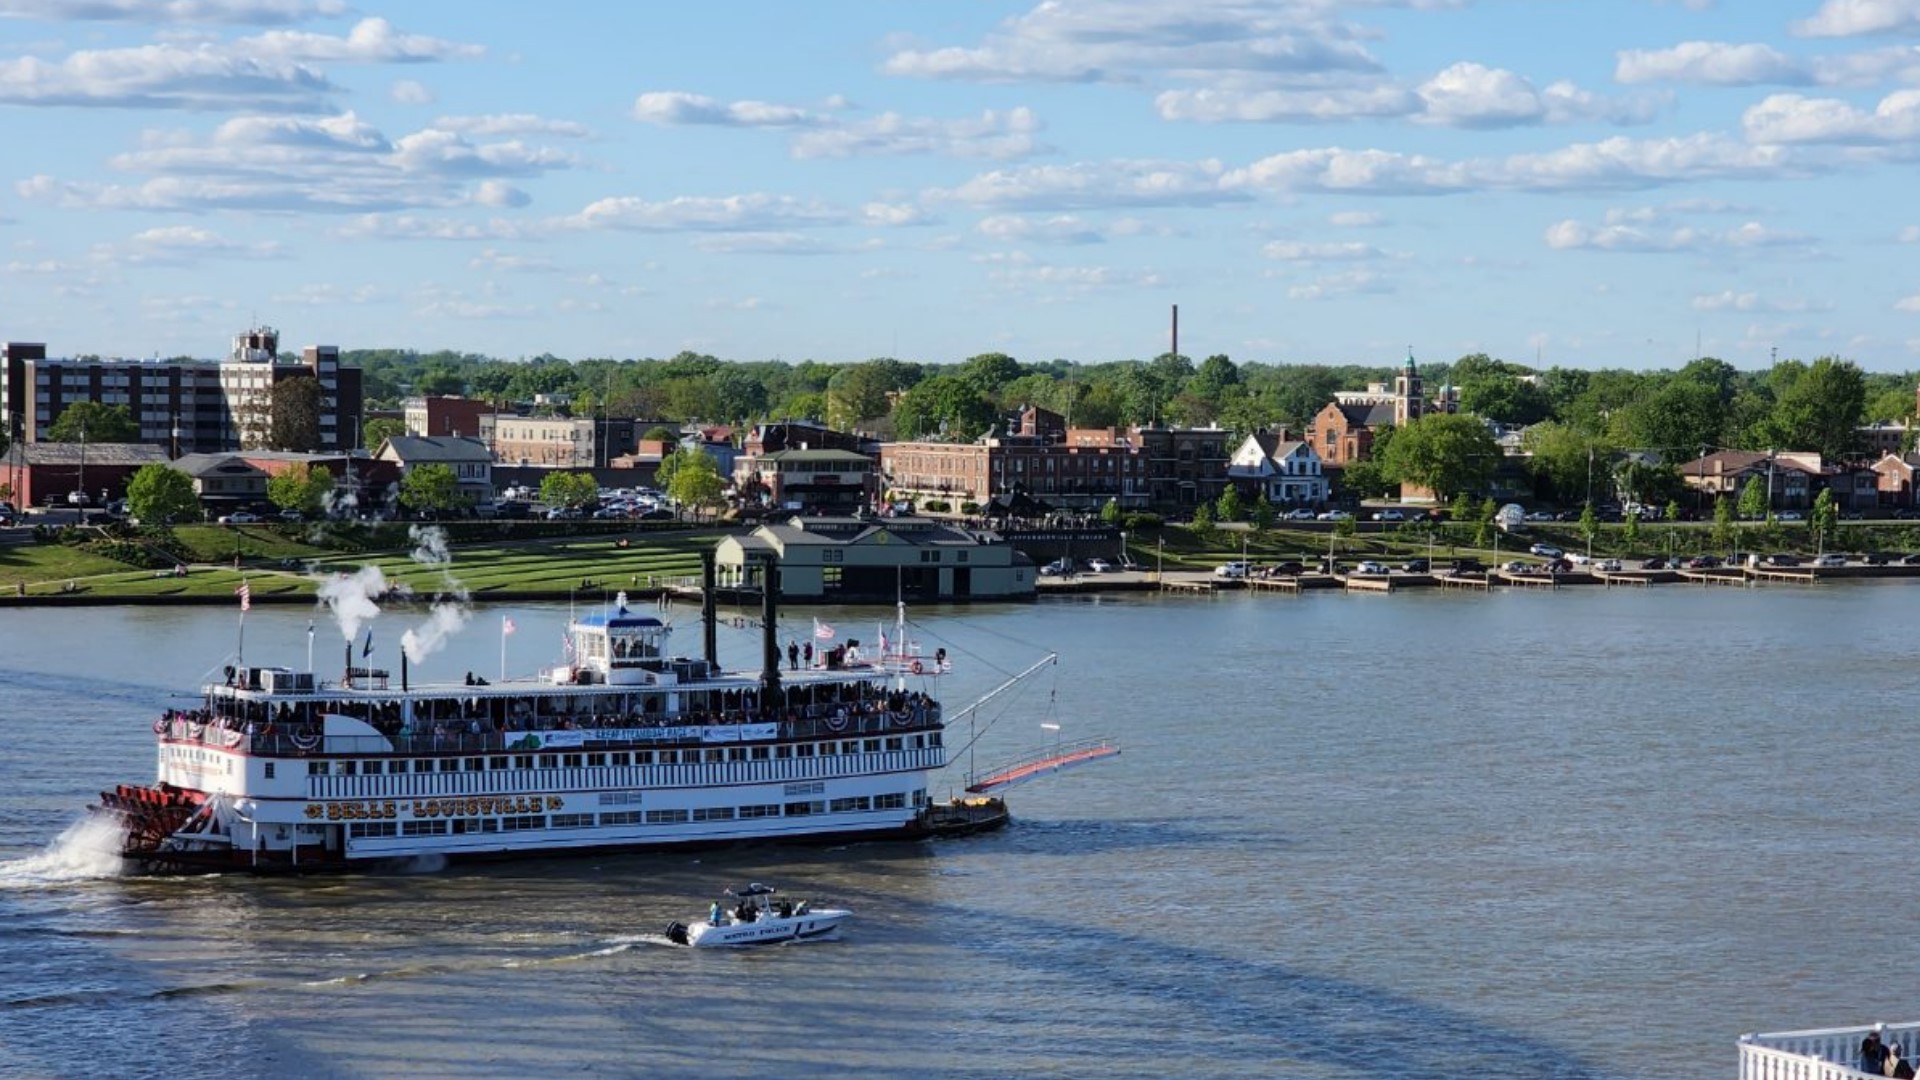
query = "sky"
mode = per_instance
[{"x": 1584, "y": 183}]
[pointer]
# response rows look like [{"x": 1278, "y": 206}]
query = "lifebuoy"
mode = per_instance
[
  {"x": 916, "y": 667},
  {"x": 160, "y": 726}
]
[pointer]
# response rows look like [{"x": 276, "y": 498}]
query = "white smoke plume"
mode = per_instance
[
  {"x": 352, "y": 598},
  {"x": 450, "y": 610}
]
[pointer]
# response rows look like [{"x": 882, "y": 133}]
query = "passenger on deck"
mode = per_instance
[
  {"x": 1873, "y": 1054},
  {"x": 713, "y": 915}
]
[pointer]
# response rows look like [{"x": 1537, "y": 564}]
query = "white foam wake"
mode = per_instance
[{"x": 88, "y": 849}]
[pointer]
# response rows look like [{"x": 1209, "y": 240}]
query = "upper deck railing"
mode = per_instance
[
  {"x": 456, "y": 737},
  {"x": 1820, "y": 1054}
]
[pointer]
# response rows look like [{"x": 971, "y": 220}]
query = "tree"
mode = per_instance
[
  {"x": 1110, "y": 512},
  {"x": 696, "y": 480},
  {"x": 293, "y": 418},
  {"x": 858, "y": 393},
  {"x": 374, "y": 433},
  {"x": 1673, "y": 510},
  {"x": 300, "y": 487},
  {"x": 1228, "y": 506},
  {"x": 1565, "y": 456},
  {"x": 1203, "y": 527},
  {"x": 988, "y": 372},
  {"x": 1367, "y": 479},
  {"x": 1263, "y": 515},
  {"x": 430, "y": 487},
  {"x": 1723, "y": 522},
  {"x": 1589, "y": 523},
  {"x": 943, "y": 405},
  {"x": 1630, "y": 531},
  {"x": 1820, "y": 409},
  {"x": 663, "y": 435},
  {"x": 575, "y": 490},
  {"x": 1826, "y": 517},
  {"x": 100, "y": 423},
  {"x": 1753, "y": 499},
  {"x": 158, "y": 494},
  {"x": 1446, "y": 453}
]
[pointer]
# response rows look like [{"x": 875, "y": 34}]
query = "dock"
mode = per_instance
[
  {"x": 1794, "y": 576},
  {"x": 1465, "y": 581},
  {"x": 1720, "y": 576}
]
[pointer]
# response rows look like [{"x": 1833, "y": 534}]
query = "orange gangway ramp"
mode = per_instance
[{"x": 1051, "y": 761}]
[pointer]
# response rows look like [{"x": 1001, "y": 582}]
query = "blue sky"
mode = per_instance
[{"x": 1591, "y": 183}]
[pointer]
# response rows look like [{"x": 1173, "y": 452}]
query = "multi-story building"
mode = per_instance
[
  {"x": 183, "y": 406},
  {"x": 563, "y": 442},
  {"x": 1064, "y": 467},
  {"x": 818, "y": 481},
  {"x": 449, "y": 417}
]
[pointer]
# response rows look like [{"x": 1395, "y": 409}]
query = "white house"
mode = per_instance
[
  {"x": 1286, "y": 470},
  {"x": 470, "y": 459}
]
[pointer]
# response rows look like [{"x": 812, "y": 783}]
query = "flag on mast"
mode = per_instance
[
  {"x": 366, "y": 649},
  {"x": 506, "y": 625},
  {"x": 822, "y": 631},
  {"x": 245, "y": 593}
]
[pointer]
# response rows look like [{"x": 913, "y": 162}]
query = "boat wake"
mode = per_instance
[{"x": 88, "y": 850}]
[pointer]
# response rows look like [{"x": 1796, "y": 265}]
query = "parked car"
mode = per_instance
[
  {"x": 1608, "y": 566},
  {"x": 240, "y": 517},
  {"x": 1418, "y": 566},
  {"x": 1368, "y": 566},
  {"x": 292, "y": 515},
  {"x": 1703, "y": 562},
  {"x": 1389, "y": 515},
  {"x": 1910, "y": 560},
  {"x": 1333, "y": 515},
  {"x": 1286, "y": 569},
  {"x": 1874, "y": 558},
  {"x": 1655, "y": 563},
  {"x": 1830, "y": 560},
  {"x": 1545, "y": 551},
  {"x": 1060, "y": 567},
  {"x": 1781, "y": 559},
  {"x": 1540, "y": 515},
  {"x": 1298, "y": 514},
  {"x": 1468, "y": 566},
  {"x": 1099, "y": 566},
  {"x": 78, "y": 498},
  {"x": 1789, "y": 515},
  {"x": 1518, "y": 566},
  {"x": 1578, "y": 559},
  {"x": 1233, "y": 571}
]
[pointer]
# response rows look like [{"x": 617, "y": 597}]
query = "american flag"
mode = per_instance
[
  {"x": 822, "y": 631},
  {"x": 506, "y": 625},
  {"x": 245, "y": 593}
]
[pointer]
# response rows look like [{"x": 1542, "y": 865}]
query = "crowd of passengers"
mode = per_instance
[{"x": 836, "y": 705}]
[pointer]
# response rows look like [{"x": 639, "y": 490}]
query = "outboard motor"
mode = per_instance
[{"x": 677, "y": 933}]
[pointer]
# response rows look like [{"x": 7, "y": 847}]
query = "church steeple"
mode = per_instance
[{"x": 1409, "y": 398}]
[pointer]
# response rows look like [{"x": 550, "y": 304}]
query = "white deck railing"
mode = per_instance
[{"x": 1824, "y": 1054}]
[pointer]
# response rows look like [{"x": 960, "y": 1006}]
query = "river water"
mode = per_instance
[{"x": 1585, "y": 834}]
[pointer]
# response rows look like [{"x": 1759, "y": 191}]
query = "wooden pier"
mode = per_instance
[
  {"x": 1725, "y": 575},
  {"x": 1795, "y": 576},
  {"x": 1465, "y": 581}
]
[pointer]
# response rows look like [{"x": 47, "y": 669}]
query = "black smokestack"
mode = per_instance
[
  {"x": 403, "y": 671},
  {"x": 709, "y": 616},
  {"x": 1176, "y": 329},
  {"x": 769, "y": 631}
]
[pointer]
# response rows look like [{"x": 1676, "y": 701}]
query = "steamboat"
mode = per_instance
[{"x": 625, "y": 747}]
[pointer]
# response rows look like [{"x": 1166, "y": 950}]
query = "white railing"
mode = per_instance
[{"x": 1823, "y": 1054}]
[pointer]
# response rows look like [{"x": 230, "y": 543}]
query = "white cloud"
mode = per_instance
[
  {"x": 1066, "y": 229},
  {"x": 164, "y": 77},
  {"x": 1133, "y": 40},
  {"x": 1466, "y": 95},
  {"x": 328, "y": 295},
  {"x": 334, "y": 163},
  {"x": 1357, "y": 219},
  {"x": 1791, "y": 118},
  {"x": 1347, "y": 283},
  {"x": 1637, "y": 237},
  {"x": 1908, "y": 303},
  {"x": 412, "y": 227},
  {"x": 995, "y": 134},
  {"x": 180, "y": 244},
  {"x": 1075, "y": 280},
  {"x": 254, "y": 12},
  {"x": 1854, "y": 18},
  {"x": 670, "y": 107},
  {"x": 497, "y": 261},
  {"x": 1910, "y": 234},
  {"x": 513, "y": 124},
  {"x": 410, "y": 92},
  {"x": 1728, "y": 300},
  {"x": 1086, "y": 185},
  {"x": 1711, "y": 63},
  {"x": 768, "y": 243},
  {"x": 1291, "y": 251},
  {"x": 371, "y": 41},
  {"x": 689, "y": 213}
]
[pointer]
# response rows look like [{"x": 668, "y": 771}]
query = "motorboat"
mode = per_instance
[{"x": 754, "y": 915}]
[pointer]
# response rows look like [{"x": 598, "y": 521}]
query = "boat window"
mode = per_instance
[
  {"x": 316, "y": 768},
  {"x": 643, "y": 757},
  {"x": 895, "y": 742},
  {"x": 549, "y": 761},
  {"x": 827, "y": 749},
  {"x": 453, "y": 764},
  {"x": 269, "y": 770},
  {"x": 422, "y": 765},
  {"x": 804, "y": 750},
  {"x": 850, "y": 747},
  {"x": 715, "y": 755},
  {"x": 345, "y": 768},
  {"x": 736, "y": 753},
  {"x": 760, "y": 811},
  {"x": 783, "y": 751},
  {"x": 371, "y": 768},
  {"x": 492, "y": 763},
  {"x": 871, "y": 746},
  {"x": 668, "y": 757},
  {"x": 523, "y": 761},
  {"x": 571, "y": 761},
  {"x": 621, "y": 758},
  {"x": 760, "y": 753},
  {"x": 595, "y": 759}
]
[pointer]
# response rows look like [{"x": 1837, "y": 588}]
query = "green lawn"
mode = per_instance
[{"x": 276, "y": 566}]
